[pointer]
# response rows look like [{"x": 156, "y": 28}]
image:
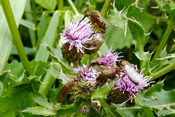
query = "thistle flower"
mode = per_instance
[
  {"x": 76, "y": 34},
  {"x": 88, "y": 78},
  {"x": 125, "y": 89},
  {"x": 108, "y": 59},
  {"x": 87, "y": 74}
]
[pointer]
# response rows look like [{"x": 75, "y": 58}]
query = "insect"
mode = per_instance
[
  {"x": 98, "y": 21},
  {"x": 131, "y": 71},
  {"x": 66, "y": 89}
]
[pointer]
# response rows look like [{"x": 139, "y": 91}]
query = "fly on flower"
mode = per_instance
[
  {"x": 130, "y": 70},
  {"x": 98, "y": 21}
]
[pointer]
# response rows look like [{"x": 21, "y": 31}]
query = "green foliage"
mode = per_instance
[
  {"x": 102, "y": 91},
  {"x": 47, "y": 4},
  {"x": 6, "y": 38},
  {"x": 144, "y": 33}
]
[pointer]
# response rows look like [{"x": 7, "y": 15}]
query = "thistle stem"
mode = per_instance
[
  {"x": 73, "y": 7},
  {"x": 28, "y": 16},
  {"x": 46, "y": 83},
  {"x": 163, "y": 71},
  {"x": 60, "y": 8},
  {"x": 15, "y": 35},
  {"x": 162, "y": 43},
  {"x": 105, "y": 7},
  {"x": 34, "y": 17}
]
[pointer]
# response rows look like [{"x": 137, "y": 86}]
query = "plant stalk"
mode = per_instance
[
  {"x": 46, "y": 83},
  {"x": 162, "y": 42},
  {"x": 105, "y": 7},
  {"x": 60, "y": 8},
  {"x": 73, "y": 7},
  {"x": 15, "y": 35},
  {"x": 29, "y": 17},
  {"x": 163, "y": 71}
]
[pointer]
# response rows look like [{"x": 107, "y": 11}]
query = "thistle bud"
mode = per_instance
[
  {"x": 85, "y": 109},
  {"x": 96, "y": 105},
  {"x": 106, "y": 73},
  {"x": 71, "y": 55},
  {"x": 93, "y": 45}
]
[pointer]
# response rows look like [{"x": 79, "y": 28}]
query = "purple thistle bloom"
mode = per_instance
[
  {"x": 87, "y": 74},
  {"x": 76, "y": 34},
  {"x": 125, "y": 85},
  {"x": 109, "y": 58}
]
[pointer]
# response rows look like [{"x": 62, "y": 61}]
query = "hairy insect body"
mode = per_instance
[
  {"x": 98, "y": 21},
  {"x": 130, "y": 70},
  {"x": 132, "y": 74}
]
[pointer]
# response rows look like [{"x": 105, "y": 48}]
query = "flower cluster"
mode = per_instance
[{"x": 79, "y": 38}]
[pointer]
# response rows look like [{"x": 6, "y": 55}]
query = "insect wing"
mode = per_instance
[{"x": 107, "y": 23}]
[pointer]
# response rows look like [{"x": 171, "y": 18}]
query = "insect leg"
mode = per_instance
[
  {"x": 124, "y": 81},
  {"x": 82, "y": 26},
  {"x": 102, "y": 31},
  {"x": 81, "y": 20}
]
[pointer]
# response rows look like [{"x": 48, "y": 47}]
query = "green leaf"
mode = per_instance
[
  {"x": 147, "y": 69},
  {"x": 116, "y": 39},
  {"x": 43, "y": 55},
  {"x": 103, "y": 91},
  {"x": 39, "y": 67},
  {"x": 103, "y": 49},
  {"x": 146, "y": 20},
  {"x": 29, "y": 51},
  {"x": 117, "y": 19},
  {"x": 47, "y": 4},
  {"x": 129, "y": 111},
  {"x": 8, "y": 106},
  {"x": 156, "y": 97},
  {"x": 42, "y": 100},
  {"x": 92, "y": 2},
  {"x": 121, "y": 37},
  {"x": 120, "y": 4},
  {"x": 165, "y": 5},
  {"x": 39, "y": 111},
  {"x": 133, "y": 9},
  {"x": 57, "y": 56},
  {"x": 153, "y": 97},
  {"x": 139, "y": 37},
  {"x": 111, "y": 110},
  {"x": 71, "y": 108},
  {"x": 6, "y": 38},
  {"x": 67, "y": 17},
  {"x": 14, "y": 99},
  {"x": 27, "y": 24},
  {"x": 59, "y": 75},
  {"x": 42, "y": 27},
  {"x": 166, "y": 112},
  {"x": 148, "y": 111}
]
